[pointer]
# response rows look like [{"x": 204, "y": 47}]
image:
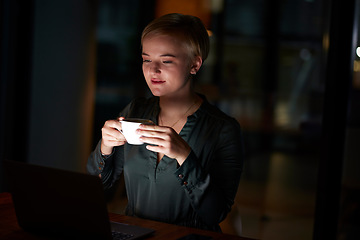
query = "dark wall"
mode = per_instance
[
  {"x": 16, "y": 30},
  {"x": 47, "y": 81}
]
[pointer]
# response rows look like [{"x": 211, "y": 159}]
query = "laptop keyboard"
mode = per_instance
[{"x": 121, "y": 235}]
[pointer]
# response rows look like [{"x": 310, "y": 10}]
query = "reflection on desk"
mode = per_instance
[{"x": 9, "y": 228}]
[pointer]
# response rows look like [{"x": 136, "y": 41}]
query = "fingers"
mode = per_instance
[
  {"x": 155, "y": 128},
  {"x": 156, "y": 140},
  {"x": 172, "y": 145},
  {"x": 113, "y": 124},
  {"x": 161, "y": 137},
  {"x": 155, "y": 134},
  {"x": 111, "y": 135},
  {"x": 157, "y": 149}
]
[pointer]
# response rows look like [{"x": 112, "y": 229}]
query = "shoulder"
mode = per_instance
[
  {"x": 217, "y": 116},
  {"x": 224, "y": 129},
  {"x": 219, "y": 124}
]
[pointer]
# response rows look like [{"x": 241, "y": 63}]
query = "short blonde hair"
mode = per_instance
[{"x": 189, "y": 29}]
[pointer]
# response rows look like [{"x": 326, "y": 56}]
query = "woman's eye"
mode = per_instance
[
  {"x": 146, "y": 60},
  {"x": 167, "y": 61}
]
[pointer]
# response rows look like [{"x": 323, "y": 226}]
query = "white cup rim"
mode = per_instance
[{"x": 137, "y": 120}]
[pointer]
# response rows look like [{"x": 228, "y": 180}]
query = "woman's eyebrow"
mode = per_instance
[
  {"x": 167, "y": 55},
  {"x": 162, "y": 55}
]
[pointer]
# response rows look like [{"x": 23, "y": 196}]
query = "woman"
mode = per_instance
[{"x": 188, "y": 170}]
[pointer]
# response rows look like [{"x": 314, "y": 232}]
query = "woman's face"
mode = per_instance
[{"x": 166, "y": 65}]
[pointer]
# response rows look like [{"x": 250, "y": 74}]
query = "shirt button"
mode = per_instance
[
  {"x": 185, "y": 183},
  {"x": 99, "y": 168},
  {"x": 181, "y": 176},
  {"x": 101, "y": 163}
]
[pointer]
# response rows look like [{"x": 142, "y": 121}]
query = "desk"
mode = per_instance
[{"x": 9, "y": 228}]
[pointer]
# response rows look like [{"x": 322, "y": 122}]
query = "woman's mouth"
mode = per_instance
[{"x": 156, "y": 81}]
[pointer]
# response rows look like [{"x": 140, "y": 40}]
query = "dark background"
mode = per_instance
[{"x": 287, "y": 70}]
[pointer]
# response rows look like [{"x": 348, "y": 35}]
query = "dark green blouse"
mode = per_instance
[{"x": 201, "y": 191}]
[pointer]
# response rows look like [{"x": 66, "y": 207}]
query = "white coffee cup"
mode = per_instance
[{"x": 129, "y": 127}]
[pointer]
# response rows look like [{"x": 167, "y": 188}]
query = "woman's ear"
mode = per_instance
[{"x": 196, "y": 64}]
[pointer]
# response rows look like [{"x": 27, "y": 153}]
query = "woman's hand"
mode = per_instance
[
  {"x": 166, "y": 141},
  {"x": 111, "y": 136}
]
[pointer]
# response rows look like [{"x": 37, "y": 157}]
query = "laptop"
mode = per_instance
[{"x": 60, "y": 203}]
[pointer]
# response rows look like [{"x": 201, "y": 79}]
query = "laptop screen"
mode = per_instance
[
  {"x": 54, "y": 201},
  {"x": 63, "y": 203}
]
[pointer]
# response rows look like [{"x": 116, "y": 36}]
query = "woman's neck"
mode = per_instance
[{"x": 178, "y": 105}]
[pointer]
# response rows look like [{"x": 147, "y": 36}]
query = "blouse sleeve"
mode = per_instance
[
  {"x": 110, "y": 168},
  {"x": 212, "y": 191}
]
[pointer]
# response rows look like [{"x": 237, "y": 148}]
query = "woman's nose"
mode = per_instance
[{"x": 155, "y": 68}]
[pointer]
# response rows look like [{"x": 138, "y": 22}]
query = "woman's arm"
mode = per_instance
[
  {"x": 106, "y": 160},
  {"x": 212, "y": 191}
]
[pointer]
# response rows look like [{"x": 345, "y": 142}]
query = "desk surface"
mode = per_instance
[{"x": 9, "y": 228}]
